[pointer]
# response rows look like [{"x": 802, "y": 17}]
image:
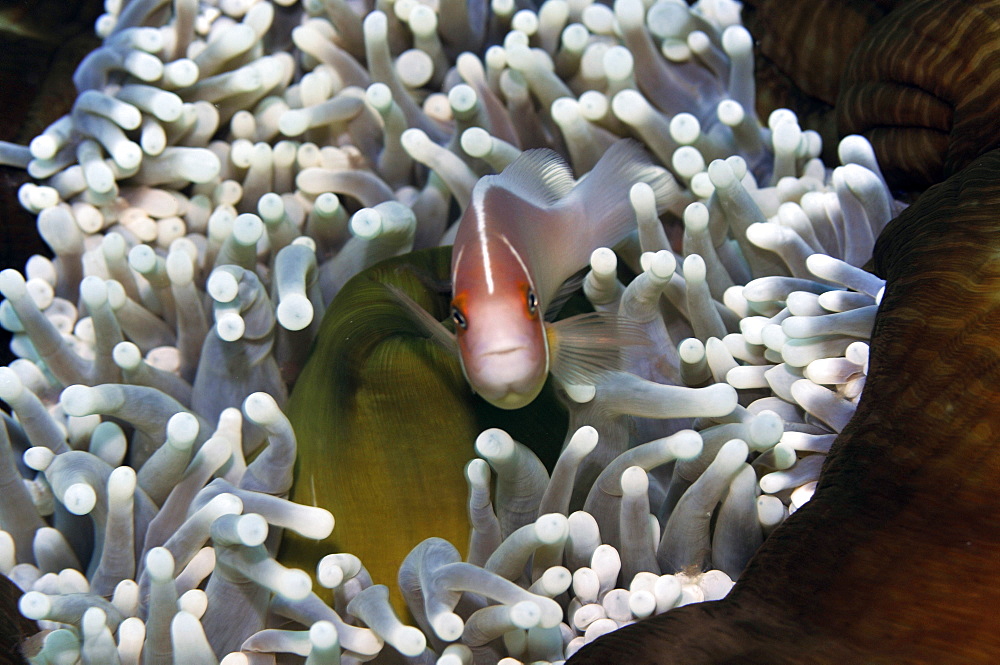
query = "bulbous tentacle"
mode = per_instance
[{"x": 892, "y": 560}]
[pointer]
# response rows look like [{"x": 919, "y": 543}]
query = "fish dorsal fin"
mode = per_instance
[
  {"x": 602, "y": 194},
  {"x": 539, "y": 176}
]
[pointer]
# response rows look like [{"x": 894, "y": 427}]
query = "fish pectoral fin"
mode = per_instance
[
  {"x": 565, "y": 292},
  {"x": 586, "y": 346},
  {"x": 426, "y": 323}
]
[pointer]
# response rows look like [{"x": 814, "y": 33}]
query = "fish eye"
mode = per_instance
[
  {"x": 532, "y": 303},
  {"x": 459, "y": 318}
]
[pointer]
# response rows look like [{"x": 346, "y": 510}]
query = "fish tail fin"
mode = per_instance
[
  {"x": 602, "y": 196},
  {"x": 585, "y": 346}
]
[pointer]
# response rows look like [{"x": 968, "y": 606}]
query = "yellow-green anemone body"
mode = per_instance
[{"x": 386, "y": 422}]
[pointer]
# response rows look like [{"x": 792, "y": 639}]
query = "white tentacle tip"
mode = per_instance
[
  {"x": 580, "y": 393},
  {"x": 94, "y": 621},
  {"x": 375, "y": 25},
  {"x": 93, "y": 291},
  {"x": 603, "y": 260},
  {"x": 12, "y": 284},
  {"x": 415, "y": 142},
  {"x": 295, "y": 312},
  {"x": 78, "y": 400},
  {"x": 736, "y": 40},
  {"x": 551, "y": 528},
  {"x": 127, "y": 355},
  {"x": 261, "y": 408},
  {"x": 252, "y": 529},
  {"x": 687, "y": 443},
  {"x": 477, "y": 472},
  {"x": 494, "y": 442},
  {"x": 223, "y": 286},
  {"x": 634, "y": 481},
  {"x": 79, "y": 498},
  {"x": 448, "y": 626},
  {"x": 642, "y": 197},
  {"x": 721, "y": 174},
  {"x": 584, "y": 440},
  {"x": 367, "y": 223},
  {"x": 230, "y": 326},
  {"x": 323, "y": 635},
  {"x": 160, "y": 564},
  {"x": 35, "y": 605},
  {"x": 694, "y": 268},
  {"x": 182, "y": 428},
  {"x": 409, "y": 641},
  {"x": 318, "y": 525},
  {"x": 38, "y": 458},
  {"x": 294, "y": 584},
  {"x": 121, "y": 483},
  {"x": 525, "y": 614},
  {"x": 11, "y": 386},
  {"x": 477, "y": 142}
]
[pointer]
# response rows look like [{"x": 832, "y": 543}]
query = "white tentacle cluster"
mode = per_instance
[{"x": 229, "y": 164}]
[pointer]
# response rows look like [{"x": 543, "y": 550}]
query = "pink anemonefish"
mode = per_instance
[{"x": 525, "y": 232}]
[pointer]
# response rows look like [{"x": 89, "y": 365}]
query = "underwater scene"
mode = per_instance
[{"x": 463, "y": 332}]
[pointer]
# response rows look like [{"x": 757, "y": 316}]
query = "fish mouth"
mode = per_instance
[
  {"x": 506, "y": 350},
  {"x": 507, "y": 376}
]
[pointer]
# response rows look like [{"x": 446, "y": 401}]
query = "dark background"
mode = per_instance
[{"x": 41, "y": 41}]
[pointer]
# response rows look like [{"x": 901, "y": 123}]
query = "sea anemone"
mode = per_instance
[{"x": 229, "y": 167}]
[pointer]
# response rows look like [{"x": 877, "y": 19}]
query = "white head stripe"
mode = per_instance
[
  {"x": 517, "y": 255},
  {"x": 480, "y": 209}
]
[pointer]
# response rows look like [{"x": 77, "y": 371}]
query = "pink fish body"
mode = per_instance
[{"x": 526, "y": 231}]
